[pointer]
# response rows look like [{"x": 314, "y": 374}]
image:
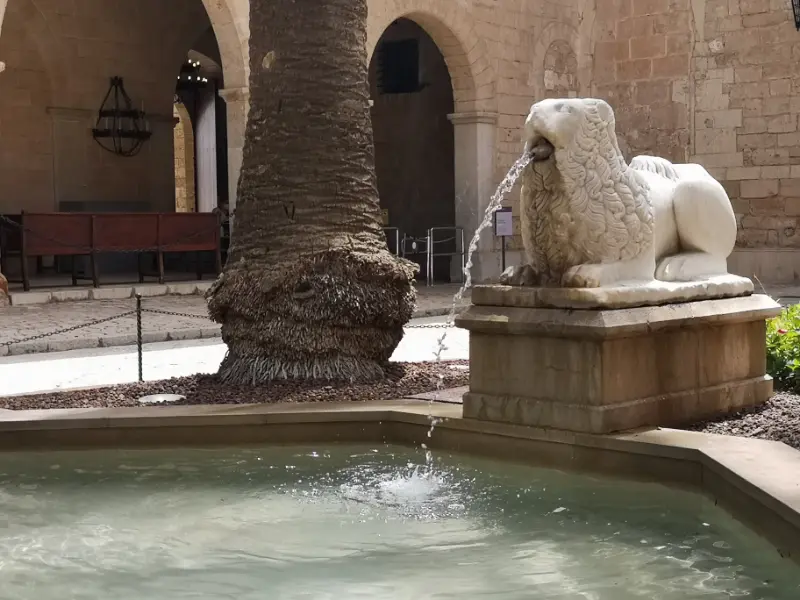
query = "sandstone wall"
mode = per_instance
[{"x": 715, "y": 82}]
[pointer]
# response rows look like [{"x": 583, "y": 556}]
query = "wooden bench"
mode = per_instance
[{"x": 88, "y": 234}]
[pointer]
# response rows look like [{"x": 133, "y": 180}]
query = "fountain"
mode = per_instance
[{"x": 624, "y": 314}]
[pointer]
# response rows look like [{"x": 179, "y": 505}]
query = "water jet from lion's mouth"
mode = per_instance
[{"x": 541, "y": 150}]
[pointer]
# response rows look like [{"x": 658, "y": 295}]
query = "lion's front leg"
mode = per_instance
[
  {"x": 520, "y": 275},
  {"x": 594, "y": 275}
]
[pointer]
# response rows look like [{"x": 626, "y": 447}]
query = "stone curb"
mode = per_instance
[
  {"x": 195, "y": 333},
  {"x": 119, "y": 292}
]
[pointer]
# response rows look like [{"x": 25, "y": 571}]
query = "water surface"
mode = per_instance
[{"x": 348, "y": 522}]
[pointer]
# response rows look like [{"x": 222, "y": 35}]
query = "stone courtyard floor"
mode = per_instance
[
  {"x": 61, "y": 326},
  {"x": 88, "y": 368}
]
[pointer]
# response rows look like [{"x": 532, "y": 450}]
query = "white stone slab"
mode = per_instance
[{"x": 656, "y": 293}]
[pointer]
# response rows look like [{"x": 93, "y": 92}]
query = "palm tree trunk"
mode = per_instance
[
  {"x": 310, "y": 290},
  {"x": 4, "y": 297}
]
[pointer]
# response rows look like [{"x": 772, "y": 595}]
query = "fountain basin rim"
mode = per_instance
[{"x": 754, "y": 479}]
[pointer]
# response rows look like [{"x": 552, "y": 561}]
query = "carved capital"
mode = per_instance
[
  {"x": 237, "y": 94},
  {"x": 469, "y": 118}
]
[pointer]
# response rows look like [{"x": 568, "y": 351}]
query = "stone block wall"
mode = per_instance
[
  {"x": 641, "y": 63},
  {"x": 714, "y": 82},
  {"x": 748, "y": 55},
  {"x": 26, "y": 153}
]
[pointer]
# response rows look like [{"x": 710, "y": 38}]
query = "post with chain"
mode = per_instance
[{"x": 139, "y": 334}]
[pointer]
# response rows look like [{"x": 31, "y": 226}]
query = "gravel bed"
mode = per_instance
[
  {"x": 778, "y": 420},
  {"x": 403, "y": 379}
]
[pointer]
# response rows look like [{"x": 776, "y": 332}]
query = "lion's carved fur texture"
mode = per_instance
[{"x": 586, "y": 206}]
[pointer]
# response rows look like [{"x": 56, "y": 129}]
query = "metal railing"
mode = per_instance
[
  {"x": 393, "y": 232},
  {"x": 413, "y": 246},
  {"x": 435, "y": 243}
]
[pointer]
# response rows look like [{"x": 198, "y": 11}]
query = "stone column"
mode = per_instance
[
  {"x": 238, "y": 104},
  {"x": 474, "y": 134},
  {"x": 205, "y": 143}
]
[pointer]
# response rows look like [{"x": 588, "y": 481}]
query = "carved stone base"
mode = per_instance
[
  {"x": 601, "y": 371},
  {"x": 656, "y": 293}
]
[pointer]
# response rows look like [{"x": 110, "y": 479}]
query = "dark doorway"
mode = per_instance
[{"x": 414, "y": 150}]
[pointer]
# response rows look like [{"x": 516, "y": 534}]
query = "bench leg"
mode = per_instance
[
  {"x": 73, "y": 270},
  {"x": 160, "y": 267},
  {"x": 26, "y": 282},
  {"x": 139, "y": 267},
  {"x": 95, "y": 277},
  {"x": 198, "y": 262}
]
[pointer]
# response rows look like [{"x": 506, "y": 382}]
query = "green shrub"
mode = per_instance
[{"x": 783, "y": 349}]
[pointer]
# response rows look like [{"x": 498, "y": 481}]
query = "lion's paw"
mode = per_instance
[
  {"x": 583, "y": 276},
  {"x": 520, "y": 275}
]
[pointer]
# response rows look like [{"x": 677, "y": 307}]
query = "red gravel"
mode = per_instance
[{"x": 403, "y": 380}]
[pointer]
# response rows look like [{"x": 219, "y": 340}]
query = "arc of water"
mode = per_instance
[{"x": 495, "y": 203}]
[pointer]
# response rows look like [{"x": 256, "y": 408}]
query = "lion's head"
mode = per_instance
[
  {"x": 565, "y": 122},
  {"x": 584, "y": 202}
]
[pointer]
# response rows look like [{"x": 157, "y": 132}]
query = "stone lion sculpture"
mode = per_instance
[{"x": 589, "y": 219}]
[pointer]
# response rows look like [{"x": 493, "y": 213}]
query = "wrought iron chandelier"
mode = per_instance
[
  {"x": 120, "y": 128},
  {"x": 190, "y": 76}
]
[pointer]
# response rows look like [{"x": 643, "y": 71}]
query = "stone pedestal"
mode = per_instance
[{"x": 606, "y": 370}]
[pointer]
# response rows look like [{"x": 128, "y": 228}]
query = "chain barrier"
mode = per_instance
[
  {"x": 70, "y": 329},
  {"x": 158, "y": 311},
  {"x": 140, "y": 310}
]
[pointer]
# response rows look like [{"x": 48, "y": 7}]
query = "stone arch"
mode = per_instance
[
  {"x": 232, "y": 32},
  {"x": 560, "y": 73},
  {"x": 453, "y": 30},
  {"x": 554, "y": 50}
]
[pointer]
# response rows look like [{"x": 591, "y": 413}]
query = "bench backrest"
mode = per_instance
[
  {"x": 185, "y": 232},
  {"x": 54, "y": 234}
]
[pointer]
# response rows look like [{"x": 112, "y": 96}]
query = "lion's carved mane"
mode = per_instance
[{"x": 586, "y": 206}]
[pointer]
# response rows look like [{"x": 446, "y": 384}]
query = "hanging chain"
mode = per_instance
[
  {"x": 68, "y": 329},
  {"x": 173, "y": 313}
]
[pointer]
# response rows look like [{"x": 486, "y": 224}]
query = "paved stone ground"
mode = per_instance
[{"x": 40, "y": 328}]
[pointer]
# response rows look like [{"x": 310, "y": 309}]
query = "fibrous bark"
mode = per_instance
[
  {"x": 310, "y": 289},
  {"x": 4, "y": 297}
]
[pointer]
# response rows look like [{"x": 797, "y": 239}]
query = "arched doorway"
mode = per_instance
[
  {"x": 412, "y": 97},
  {"x": 49, "y": 159}
]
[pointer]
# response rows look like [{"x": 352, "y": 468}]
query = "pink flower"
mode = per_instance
[{"x": 782, "y": 331}]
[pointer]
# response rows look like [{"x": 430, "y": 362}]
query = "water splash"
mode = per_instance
[{"x": 495, "y": 203}]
